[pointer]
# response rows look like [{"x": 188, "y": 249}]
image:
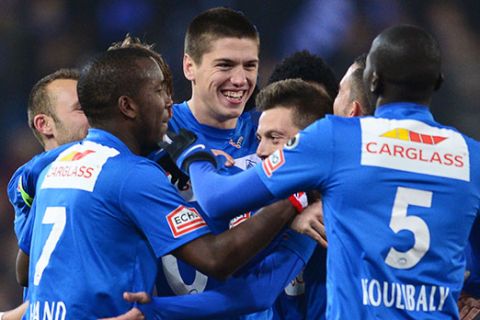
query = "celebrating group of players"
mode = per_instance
[{"x": 136, "y": 195}]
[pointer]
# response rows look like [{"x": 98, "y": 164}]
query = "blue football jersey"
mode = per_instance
[
  {"x": 21, "y": 187},
  {"x": 400, "y": 195},
  {"x": 102, "y": 218},
  {"x": 175, "y": 276},
  {"x": 241, "y": 143}
]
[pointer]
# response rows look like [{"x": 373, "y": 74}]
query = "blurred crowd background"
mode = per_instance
[{"x": 39, "y": 36}]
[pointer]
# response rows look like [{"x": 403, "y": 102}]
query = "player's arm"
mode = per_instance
[
  {"x": 171, "y": 226},
  {"x": 221, "y": 255},
  {"x": 22, "y": 268},
  {"x": 14, "y": 314},
  {"x": 255, "y": 290},
  {"x": 469, "y": 301}
]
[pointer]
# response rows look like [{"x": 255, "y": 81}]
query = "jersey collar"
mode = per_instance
[{"x": 402, "y": 110}]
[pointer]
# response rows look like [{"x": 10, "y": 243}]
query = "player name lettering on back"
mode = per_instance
[
  {"x": 48, "y": 310},
  {"x": 403, "y": 296}
]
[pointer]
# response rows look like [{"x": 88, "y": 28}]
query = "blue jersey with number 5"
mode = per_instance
[{"x": 400, "y": 195}]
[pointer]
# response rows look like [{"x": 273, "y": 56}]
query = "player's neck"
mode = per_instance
[{"x": 207, "y": 117}]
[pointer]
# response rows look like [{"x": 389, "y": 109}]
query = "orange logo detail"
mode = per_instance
[
  {"x": 408, "y": 135},
  {"x": 75, "y": 155}
]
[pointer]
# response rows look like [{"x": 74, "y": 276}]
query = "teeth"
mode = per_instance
[{"x": 233, "y": 94}]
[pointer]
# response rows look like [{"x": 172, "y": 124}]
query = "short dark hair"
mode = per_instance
[
  {"x": 39, "y": 101},
  {"x": 357, "y": 86},
  {"x": 214, "y": 24},
  {"x": 134, "y": 42},
  {"x": 306, "y": 100},
  {"x": 407, "y": 59},
  {"x": 308, "y": 67},
  {"x": 109, "y": 76}
]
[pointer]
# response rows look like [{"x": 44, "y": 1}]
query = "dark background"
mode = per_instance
[{"x": 39, "y": 36}]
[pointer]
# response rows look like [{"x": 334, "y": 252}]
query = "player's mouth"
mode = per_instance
[{"x": 234, "y": 96}]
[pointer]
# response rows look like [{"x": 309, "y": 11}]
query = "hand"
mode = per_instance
[
  {"x": 134, "y": 313},
  {"x": 139, "y": 297},
  {"x": 183, "y": 150},
  {"x": 310, "y": 222},
  {"x": 229, "y": 162},
  {"x": 468, "y": 307}
]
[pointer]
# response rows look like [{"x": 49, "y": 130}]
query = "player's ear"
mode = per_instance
[
  {"x": 376, "y": 84},
  {"x": 128, "y": 107},
  {"x": 44, "y": 124},
  {"x": 439, "y": 82},
  {"x": 356, "y": 109},
  {"x": 188, "y": 67}
]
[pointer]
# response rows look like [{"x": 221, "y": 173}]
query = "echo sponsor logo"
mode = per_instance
[{"x": 184, "y": 220}]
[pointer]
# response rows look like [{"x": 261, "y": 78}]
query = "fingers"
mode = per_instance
[
  {"x": 140, "y": 297},
  {"x": 229, "y": 159},
  {"x": 470, "y": 313}
]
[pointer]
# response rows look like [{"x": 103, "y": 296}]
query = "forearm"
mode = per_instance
[
  {"x": 223, "y": 254},
  {"x": 22, "y": 268},
  {"x": 254, "y": 290},
  {"x": 227, "y": 196},
  {"x": 17, "y": 313}
]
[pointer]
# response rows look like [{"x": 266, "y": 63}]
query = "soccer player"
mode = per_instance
[
  {"x": 305, "y": 296},
  {"x": 287, "y": 106},
  {"x": 393, "y": 186},
  {"x": 352, "y": 99},
  {"x": 221, "y": 61},
  {"x": 104, "y": 213},
  {"x": 55, "y": 117}
]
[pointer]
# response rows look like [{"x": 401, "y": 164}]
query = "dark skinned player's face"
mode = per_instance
[{"x": 154, "y": 107}]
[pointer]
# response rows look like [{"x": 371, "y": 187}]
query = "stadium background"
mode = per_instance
[{"x": 40, "y": 36}]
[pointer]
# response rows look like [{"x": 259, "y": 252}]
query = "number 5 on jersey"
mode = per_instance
[{"x": 400, "y": 221}]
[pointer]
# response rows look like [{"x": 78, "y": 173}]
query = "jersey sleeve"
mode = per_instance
[
  {"x": 20, "y": 199},
  {"x": 157, "y": 209},
  {"x": 22, "y": 187},
  {"x": 254, "y": 290},
  {"x": 303, "y": 164},
  {"x": 472, "y": 283}
]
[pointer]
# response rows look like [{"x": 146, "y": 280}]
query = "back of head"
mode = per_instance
[
  {"x": 40, "y": 102},
  {"x": 135, "y": 42},
  {"x": 407, "y": 61},
  {"x": 308, "y": 67},
  {"x": 357, "y": 87},
  {"x": 214, "y": 24},
  {"x": 106, "y": 78},
  {"x": 307, "y": 101}
]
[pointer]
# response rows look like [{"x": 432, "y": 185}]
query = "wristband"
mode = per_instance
[{"x": 299, "y": 201}]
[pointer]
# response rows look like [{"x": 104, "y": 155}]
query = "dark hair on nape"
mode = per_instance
[
  {"x": 307, "y": 101},
  {"x": 308, "y": 67},
  {"x": 107, "y": 77},
  {"x": 39, "y": 102},
  {"x": 214, "y": 24}
]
